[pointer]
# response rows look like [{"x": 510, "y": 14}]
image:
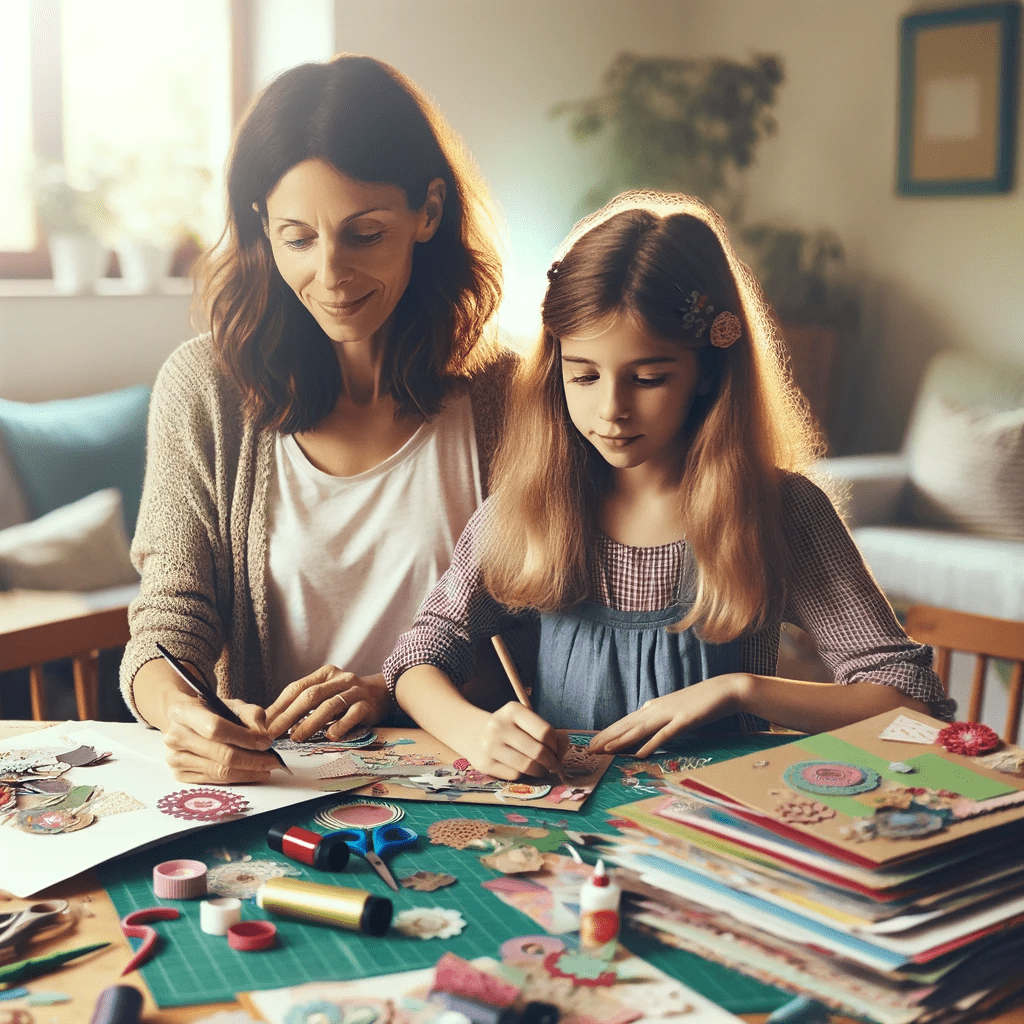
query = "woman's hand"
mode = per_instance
[
  {"x": 664, "y": 717},
  {"x": 203, "y": 747},
  {"x": 515, "y": 741},
  {"x": 328, "y": 698}
]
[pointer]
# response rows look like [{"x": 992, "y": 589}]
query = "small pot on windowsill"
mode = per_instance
[
  {"x": 143, "y": 265},
  {"x": 78, "y": 261}
]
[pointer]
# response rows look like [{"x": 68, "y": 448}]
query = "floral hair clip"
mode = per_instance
[
  {"x": 725, "y": 329},
  {"x": 554, "y": 269},
  {"x": 697, "y": 313}
]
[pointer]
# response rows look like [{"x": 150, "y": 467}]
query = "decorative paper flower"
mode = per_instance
[
  {"x": 430, "y": 923},
  {"x": 725, "y": 329},
  {"x": 203, "y": 804},
  {"x": 968, "y": 738}
]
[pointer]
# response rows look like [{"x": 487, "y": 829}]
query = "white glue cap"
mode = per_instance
[{"x": 600, "y": 876}]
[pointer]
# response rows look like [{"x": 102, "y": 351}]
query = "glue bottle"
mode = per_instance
[{"x": 599, "y": 914}]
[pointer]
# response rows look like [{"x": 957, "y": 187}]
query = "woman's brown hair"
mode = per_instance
[
  {"x": 641, "y": 257},
  {"x": 372, "y": 124}
]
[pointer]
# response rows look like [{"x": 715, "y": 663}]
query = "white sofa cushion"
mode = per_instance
[
  {"x": 912, "y": 565},
  {"x": 81, "y": 546},
  {"x": 966, "y": 469}
]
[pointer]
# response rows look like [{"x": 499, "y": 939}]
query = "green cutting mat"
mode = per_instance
[{"x": 192, "y": 967}]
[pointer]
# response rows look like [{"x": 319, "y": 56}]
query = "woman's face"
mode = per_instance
[{"x": 345, "y": 247}]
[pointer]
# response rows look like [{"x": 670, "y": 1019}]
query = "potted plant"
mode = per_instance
[
  {"x": 694, "y": 126},
  {"x": 72, "y": 218},
  {"x": 154, "y": 203}
]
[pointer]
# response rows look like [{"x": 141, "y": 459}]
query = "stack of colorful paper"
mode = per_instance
[{"x": 873, "y": 868}]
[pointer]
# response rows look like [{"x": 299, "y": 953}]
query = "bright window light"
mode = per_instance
[
  {"x": 17, "y": 222},
  {"x": 147, "y": 111}
]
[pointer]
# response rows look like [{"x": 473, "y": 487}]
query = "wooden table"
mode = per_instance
[{"x": 98, "y": 922}]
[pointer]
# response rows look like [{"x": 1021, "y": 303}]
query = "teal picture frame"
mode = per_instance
[{"x": 958, "y": 100}]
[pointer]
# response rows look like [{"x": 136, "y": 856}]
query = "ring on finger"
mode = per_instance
[{"x": 345, "y": 706}]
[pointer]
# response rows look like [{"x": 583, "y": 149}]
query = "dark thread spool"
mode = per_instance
[
  {"x": 118, "y": 1004},
  {"x": 325, "y": 853}
]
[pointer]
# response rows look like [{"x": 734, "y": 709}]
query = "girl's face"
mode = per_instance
[
  {"x": 345, "y": 247},
  {"x": 629, "y": 394}
]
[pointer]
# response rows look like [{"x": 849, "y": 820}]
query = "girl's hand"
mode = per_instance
[
  {"x": 203, "y": 747},
  {"x": 331, "y": 698},
  {"x": 664, "y": 717},
  {"x": 515, "y": 741}
]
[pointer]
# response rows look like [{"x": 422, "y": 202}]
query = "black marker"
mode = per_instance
[{"x": 210, "y": 699}]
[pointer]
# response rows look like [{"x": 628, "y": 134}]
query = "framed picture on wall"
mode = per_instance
[{"x": 958, "y": 99}]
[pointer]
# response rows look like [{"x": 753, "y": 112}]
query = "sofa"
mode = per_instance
[
  {"x": 71, "y": 474},
  {"x": 942, "y": 521}
]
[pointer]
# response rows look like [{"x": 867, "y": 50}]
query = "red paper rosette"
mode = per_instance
[
  {"x": 968, "y": 738},
  {"x": 203, "y": 804}
]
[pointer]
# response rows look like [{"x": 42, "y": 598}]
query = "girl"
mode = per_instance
[{"x": 649, "y": 507}]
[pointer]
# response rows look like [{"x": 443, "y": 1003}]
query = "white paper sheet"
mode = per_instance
[{"x": 29, "y": 863}]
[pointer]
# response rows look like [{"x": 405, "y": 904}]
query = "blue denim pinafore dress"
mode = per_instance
[{"x": 596, "y": 664}]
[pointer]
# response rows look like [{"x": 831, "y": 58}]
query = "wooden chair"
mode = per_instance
[
  {"x": 947, "y": 631},
  {"x": 79, "y": 638}
]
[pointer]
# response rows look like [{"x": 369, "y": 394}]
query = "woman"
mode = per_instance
[{"x": 313, "y": 459}]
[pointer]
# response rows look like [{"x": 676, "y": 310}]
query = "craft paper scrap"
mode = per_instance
[
  {"x": 640, "y": 992},
  {"x": 908, "y": 730}
]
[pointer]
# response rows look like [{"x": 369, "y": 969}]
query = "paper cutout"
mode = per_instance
[
  {"x": 115, "y": 803},
  {"x": 515, "y": 861},
  {"x": 429, "y": 923},
  {"x": 580, "y": 969},
  {"x": 358, "y": 814},
  {"x": 834, "y": 778},
  {"x": 909, "y": 730},
  {"x": 427, "y": 881},
  {"x": 1009, "y": 760},
  {"x": 203, "y": 804},
  {"x": 458, "y": 977},
  {"x": 458, "y": 833},
  {"x": 241, "y": 879}
]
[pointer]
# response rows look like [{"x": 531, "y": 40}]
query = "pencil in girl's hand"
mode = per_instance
[
  {"x": 510, "y": 670},
  {"x": 210, "y": 698}
]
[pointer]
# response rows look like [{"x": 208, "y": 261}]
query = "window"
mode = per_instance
[{"x": 134, "y": 100}]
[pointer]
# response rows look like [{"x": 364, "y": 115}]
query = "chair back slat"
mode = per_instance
[
  {"x": 977, "y": 688},
  {"x": 1014, "y": 706},
  {"x": 986, "y": 638}
]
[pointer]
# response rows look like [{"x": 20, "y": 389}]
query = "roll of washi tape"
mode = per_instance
[
  {"x": 179, "y": 879},
  {"x": 252, "y": 936},
  {"x": 326, "y": 853},
  {"x": 216, "y": 916},
  {"x": 354, "y": 909}
]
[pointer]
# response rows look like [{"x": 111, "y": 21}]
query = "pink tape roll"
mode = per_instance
[{"x": 179, "y": 879}]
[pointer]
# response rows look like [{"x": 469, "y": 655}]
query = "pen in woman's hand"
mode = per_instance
[{"x": 210, "y": 698}]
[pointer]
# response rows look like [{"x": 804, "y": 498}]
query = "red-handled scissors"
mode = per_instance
[{"x": 373, "y": 845}]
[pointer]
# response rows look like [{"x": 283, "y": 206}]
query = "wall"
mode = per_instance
[
  {"x": 936, "y": 273},
  {"x": 65, "y": 346}
]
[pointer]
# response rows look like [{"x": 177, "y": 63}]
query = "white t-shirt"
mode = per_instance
[{"x": 350, "y": 559}]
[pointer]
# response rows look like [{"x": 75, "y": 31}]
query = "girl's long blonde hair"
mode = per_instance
[{"x": 640, "y": 257}]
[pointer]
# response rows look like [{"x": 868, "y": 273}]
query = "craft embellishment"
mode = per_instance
[
  {"x": 832, "y": 778},
  {"x": 799, "y": 810},
  {"x": 969, "y": 738},
  {"x": 725, "y": 329},
  {"x": 458, "y": 833},
  {"x": 909, "y": 730},
  {"x": 427, "y": 881},
  {"x": 429, "y": 923},
  {"x": 203, "y": 804},
  {"x": 242, "y": 878}
]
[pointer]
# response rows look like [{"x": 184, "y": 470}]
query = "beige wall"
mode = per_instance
[{"x": 936, "y": 273}]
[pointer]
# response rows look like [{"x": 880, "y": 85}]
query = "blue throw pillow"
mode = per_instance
[{"x": 65, "y": 449}]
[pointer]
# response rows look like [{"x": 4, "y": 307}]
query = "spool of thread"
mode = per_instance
[
  {"x": 118, "y": 1004},
  {"x": 354, "y": 909},
  {"x": 216, "y": 916},
  {"x": 326, "y": 853}
]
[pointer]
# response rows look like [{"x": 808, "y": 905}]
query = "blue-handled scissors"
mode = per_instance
[{"x": 385, "y": 841}]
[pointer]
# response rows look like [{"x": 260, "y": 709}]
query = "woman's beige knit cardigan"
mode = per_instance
[{"x": 201, "y": 540}]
